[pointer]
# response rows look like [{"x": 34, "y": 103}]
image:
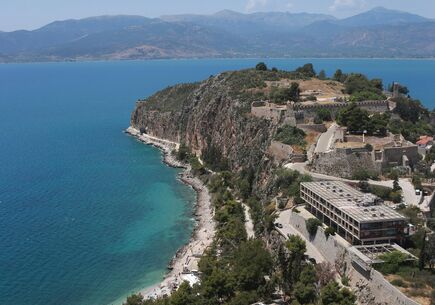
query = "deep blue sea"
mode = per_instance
[{"x": 88, "y": 214}]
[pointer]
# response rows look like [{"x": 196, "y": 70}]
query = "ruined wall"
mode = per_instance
[
  {"x": 344, "y": 163},
  {"x": 268, "y": 111},
  {"x": 370, "y": 287},
  {"x": 309, "y": 110},
  {"x": 394, "y": 155}
]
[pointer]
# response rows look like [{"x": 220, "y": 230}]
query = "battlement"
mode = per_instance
[
  {"x": 299, "y": 113},
  {"x": 363, "y": 104}
]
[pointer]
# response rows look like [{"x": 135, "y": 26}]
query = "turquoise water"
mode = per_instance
[{"x": 88, "y": 214}]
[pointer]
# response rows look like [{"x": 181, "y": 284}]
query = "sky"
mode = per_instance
[{"x": 31, "y": 14}]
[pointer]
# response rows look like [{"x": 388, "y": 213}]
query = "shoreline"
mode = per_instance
[{"x": 183, "y": 265}]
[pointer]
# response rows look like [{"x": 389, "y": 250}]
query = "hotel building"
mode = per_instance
[{"x": 362, "y": 219}]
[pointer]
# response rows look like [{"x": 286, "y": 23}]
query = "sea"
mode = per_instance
[{"x": 88, "y": 215}]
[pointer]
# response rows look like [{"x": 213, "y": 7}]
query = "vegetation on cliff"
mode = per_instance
[
  {"x": 291, "y": 135},
  {"x": 226, "y": 147}
]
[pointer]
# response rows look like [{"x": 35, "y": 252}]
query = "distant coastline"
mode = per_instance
[{"x": 209, "y": 58}]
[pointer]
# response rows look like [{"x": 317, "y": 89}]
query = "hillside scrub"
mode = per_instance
[
  {"x": 358, "y": 120},
  {"x": 211, "y": 118},
  {"x": 287, "y": 182},
  {"x": 361, "y": 88},
  {"x": 290, "y": 135},
  {"x": 283, "y": 95}
]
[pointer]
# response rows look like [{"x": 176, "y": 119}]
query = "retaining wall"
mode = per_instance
[
  {"x": 370, "y": 286},
  {"x": 312, "y": 127}
]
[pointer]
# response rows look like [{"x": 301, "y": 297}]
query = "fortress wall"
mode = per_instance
[{"x": 310, "y": 110}]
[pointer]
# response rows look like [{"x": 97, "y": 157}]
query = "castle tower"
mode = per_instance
[{"x": 396, "y": 87}]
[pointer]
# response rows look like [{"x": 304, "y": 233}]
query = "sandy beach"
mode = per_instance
[{"x": 183, "y": 266}]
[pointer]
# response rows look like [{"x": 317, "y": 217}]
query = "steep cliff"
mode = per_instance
[{"x": 213, "y": 118}]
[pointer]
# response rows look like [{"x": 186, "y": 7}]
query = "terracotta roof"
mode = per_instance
[{"x": 424, "y": 140}]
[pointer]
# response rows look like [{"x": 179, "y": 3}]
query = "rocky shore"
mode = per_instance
[{"x": 183, "y": 266}]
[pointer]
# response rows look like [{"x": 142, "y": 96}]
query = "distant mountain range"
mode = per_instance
[{"x": 376, "y": 33}]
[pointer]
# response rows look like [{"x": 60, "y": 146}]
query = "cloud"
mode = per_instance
[
  {"x": 347, "y": 5},
  {"x": 268, "y": 5}
]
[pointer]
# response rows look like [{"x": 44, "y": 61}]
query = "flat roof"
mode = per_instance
[
  {"x": 370, "y": 254},
  {"x": 333, "y": 189},
  {"x": 356, "y": 204}
]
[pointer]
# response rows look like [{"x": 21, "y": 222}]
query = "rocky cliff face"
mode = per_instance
[{"x": 212, "y": 115}]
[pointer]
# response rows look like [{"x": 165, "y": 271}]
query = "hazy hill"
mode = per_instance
[
  {"x": 382, "y": 16},
  {"x": 249, "y": 23},
  {"x": 378, "y": 32}
]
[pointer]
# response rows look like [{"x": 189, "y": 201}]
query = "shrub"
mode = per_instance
[
  {"x": 311, "y": 98},
  {"x": 282, "y": 95},
  {"x": 329, "y": 231},
  {"x": 324, "y": 114},
  {"x": 363, "y": 174},
  {"x": 312, "y": 224},
  {"x": 369, "y": 147},
  {"x": 307, "y": 70},
  {"x": 261, "y": 66},
  {"x": 290, "y": 135},
  {"x": 345, "y": 281},
  {"x": 391, "y": 262},
  {"x": 399, "y": 283}
]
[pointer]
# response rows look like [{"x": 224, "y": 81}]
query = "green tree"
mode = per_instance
[
  {"x": 135, "y": 299},
  {"x": 261, "y": 66},
  {"x": 323, "y": 115},
  {"x": 396, "y": 186},
  {"x": 354, "y": 118},
  {"x": 361, "y": 88},
  {"x": 322, "y": 75},
  {"x": 331, "y": 294},
  {"x": 307, "y": 70},
  {"x": 290, "y": 135},
  {"x": 378, "y": 124},
  {"x": 391, "y": 262},
  {"x": 377, "y": 83},
  {"x": 183, "y": 152},
  {"x": 305, "y": 289},
  {"x": 218, "y": 286},
  {"x": 339, "y": 76},
  {"x": 252, "y": 262},
  {"x": 312, "y": 224},
  {"x": 409, "y": 109},
  {"x": 294, "y": 91},
  {"x": 183, "y": 295},
  {"x": 423, "y": 255},
  {"x": 305, "y": 294},
  {"x": 293, "y": 262}
]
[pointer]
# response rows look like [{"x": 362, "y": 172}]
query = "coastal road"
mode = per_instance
[
  {"x": 326, "y": 140},
  {"x": 288, "y": 229}
]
